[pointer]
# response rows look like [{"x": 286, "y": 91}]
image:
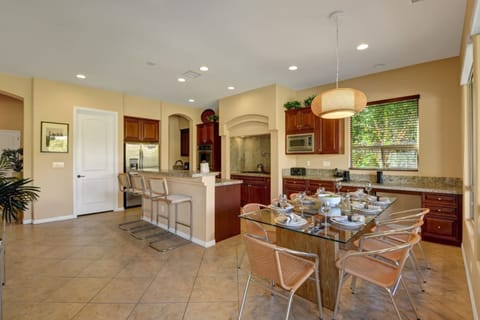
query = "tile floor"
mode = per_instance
[{"x": 90, "y": 269}]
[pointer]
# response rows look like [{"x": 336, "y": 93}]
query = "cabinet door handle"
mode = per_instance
[
  {"x": 439, "y": 199},
  {"x": 80, "y": 176},
  {"x": 438, "y": 227}
]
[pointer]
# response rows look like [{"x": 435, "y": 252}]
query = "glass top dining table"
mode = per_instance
[{"x": 338, "y": 224}]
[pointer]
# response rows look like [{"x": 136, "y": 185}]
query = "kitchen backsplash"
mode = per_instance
[
  {"x": 247, "y": 152},
  {"x": 387, "y": 179}
]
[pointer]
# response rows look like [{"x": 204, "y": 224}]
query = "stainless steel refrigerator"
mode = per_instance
[{"x": 140, "y": 157}]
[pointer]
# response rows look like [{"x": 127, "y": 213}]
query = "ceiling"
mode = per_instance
[{"x": 141, "y": 47}]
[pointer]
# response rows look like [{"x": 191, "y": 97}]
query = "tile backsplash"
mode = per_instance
[{"x": 247, "y": 152}]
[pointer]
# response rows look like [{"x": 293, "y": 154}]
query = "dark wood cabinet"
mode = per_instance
[
  {"x": 209, "y": 145},
  {"x": 329, "y": 137},
  {"x": 292, "y": 185},
  {"x": 443, "y": 224},
  {"x": 300, "y": 121},
  {"x": 140, "y": 130},
  {"x": 254, "y": 189},
  {"x": 185, "y": 142},
  {"x": 207, "y": 133},
  {"x": 227, "y": 209},
  {"x": 328, "y": 133}
]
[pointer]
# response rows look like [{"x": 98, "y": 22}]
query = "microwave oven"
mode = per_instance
[{"x": 300, "y": 143}]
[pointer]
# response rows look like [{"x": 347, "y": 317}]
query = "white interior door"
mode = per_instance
[{"x": 95, "y": 161}]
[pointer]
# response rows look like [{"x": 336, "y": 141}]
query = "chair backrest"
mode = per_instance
[
  {"x": 262, "y": 258},
  {"x": 124, "y": 184},
  {"x": 251, "y": 207},
  {"x": 138, "y": 184},
  {"x": 158, "y": 187},
  {"x": 254, "y": 227}
]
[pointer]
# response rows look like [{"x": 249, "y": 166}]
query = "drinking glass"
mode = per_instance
[
  {"x": 324, "y": 210},
  {"x": 368, "y": 187},
  {"x": 338, "y": 185},
  {"x": 320, "y": 190},
  {"x": 282, "y": 200},
  {"x": 300, "y": 197}
]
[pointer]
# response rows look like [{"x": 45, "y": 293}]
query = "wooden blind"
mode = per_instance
[{"x": 385, "y": 135}]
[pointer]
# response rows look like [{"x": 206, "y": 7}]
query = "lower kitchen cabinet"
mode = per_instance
[
  {"x": 254, "y": 189},
  {"x": 291, "y": 185},
  {"x": 227, "y": 209},
  {"x": 443, "y": 224}
]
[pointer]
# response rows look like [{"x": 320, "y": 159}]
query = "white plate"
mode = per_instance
[
  {"x": 383, "y": 201},
  {"x": 342, "y": 222},
  {"x": 369, "y": 210},
  {"x": 285, "y": 221}
]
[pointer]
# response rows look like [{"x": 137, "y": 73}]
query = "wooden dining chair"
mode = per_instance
[
  {"x": 369, "y": 266},
  {"x": 289, "y": 269}
]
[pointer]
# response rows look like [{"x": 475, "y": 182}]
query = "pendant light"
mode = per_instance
[{"x": 339, "y": 102}]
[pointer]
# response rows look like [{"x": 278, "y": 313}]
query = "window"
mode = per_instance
[{"x": 385, "y": 135}]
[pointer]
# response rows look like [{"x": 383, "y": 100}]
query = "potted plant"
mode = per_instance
[
  {"x": 14, "y": 160},
  {"x": 15, "y": 194},
  {"x": 295, "y": 104},
  {"x": 308, "y": 101}
]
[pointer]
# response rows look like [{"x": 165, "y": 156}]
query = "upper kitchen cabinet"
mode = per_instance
[
  {"x": 328, "y": 133},
  {"x": 300, "y": 121},
  {"x": 140, "y": 130},
  {"x": 330, "y": 136},
  {"x": 207, "y": 133}
]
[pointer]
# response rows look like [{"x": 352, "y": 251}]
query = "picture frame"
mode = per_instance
[{"x": 54, "y": 137}]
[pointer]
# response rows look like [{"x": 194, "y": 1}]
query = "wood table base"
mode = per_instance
[{"x": 327, "y": 251}]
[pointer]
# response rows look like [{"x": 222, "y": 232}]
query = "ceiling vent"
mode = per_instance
[{"x": 191, "y": 74}]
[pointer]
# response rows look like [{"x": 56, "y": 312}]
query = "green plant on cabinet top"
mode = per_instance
[{"x": 295, "y": 104}]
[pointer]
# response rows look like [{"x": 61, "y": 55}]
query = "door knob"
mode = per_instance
[{"x": 80, "y": 176}]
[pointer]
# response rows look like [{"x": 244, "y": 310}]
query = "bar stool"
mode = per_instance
[
  {"x": 139, "y": 187},
  {"x": 124, "y": 186},
  {"x": 159, "y": 193}
]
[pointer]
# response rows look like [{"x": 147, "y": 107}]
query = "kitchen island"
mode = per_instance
[{"x": 202, "y": 188}]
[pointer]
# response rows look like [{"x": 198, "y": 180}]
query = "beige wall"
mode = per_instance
[
  {"x": 45, "y": 100},
  {"x": 55, "y": 102},
  {"x": 437, "y": 83},
  {"x": 11, "y": 110},
  {"x": 176, "y": 123}
]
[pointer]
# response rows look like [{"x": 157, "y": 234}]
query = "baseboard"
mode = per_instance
[
  {"x": 119, "y": 209},
  {"x": 53, "y": 219},
  {"x": 470, "y": 289}
]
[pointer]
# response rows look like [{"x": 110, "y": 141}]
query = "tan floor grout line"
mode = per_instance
[
  {"x": 150, "y": 284},
  {"x": 193, "y": 285}
]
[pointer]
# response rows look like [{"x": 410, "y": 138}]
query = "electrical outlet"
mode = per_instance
[
  {"x": 326, "y": 163},
  {"x": 308, "y": 163}
]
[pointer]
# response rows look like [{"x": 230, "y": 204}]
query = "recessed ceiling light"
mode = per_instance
[
  {"x": 231, "y": 88},
  {"x": 181, "y": 80},
  {"x": 204, "y": 68},
  {"x": 191, "y": 100},
  {"x": 293, "y": 68},
  {"x": 362, "y": 46},
  {"x": 81, "y": 76}
]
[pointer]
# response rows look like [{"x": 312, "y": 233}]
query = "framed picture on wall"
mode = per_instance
[{"x": 54, "y": 137}]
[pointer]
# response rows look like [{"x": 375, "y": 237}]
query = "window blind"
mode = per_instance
[{"x": 385, "y": 135}]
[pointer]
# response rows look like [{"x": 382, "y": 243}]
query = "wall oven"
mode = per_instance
[
  {"x": 205, "y": 153},
  {"x": 300, "y": 143}
]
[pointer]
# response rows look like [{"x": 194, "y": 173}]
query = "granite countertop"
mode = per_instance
[
  {"x": 415, "y": 184},
  {"x": 181, "y": 173},
  {"x": 252, "y": 174},
  {"x": 226, "y": 182}
]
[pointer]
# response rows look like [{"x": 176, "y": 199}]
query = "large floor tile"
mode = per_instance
[
  {"x": 41, "y": 311},
  {"x": 93, "y": 311},
  {"x": 78, "y": 290},
  {"x": 164, "y": 311},
  {"x": 123, "y": 290}
]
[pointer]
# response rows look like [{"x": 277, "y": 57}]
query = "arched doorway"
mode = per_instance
[
  {"x": 180, "y": 142},
  {"x": 11, "y": 122}
]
